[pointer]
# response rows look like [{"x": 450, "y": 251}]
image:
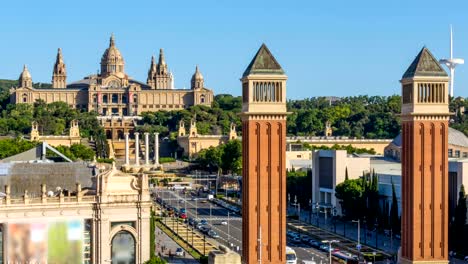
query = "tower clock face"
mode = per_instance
[{"x": 114, "y": 84}]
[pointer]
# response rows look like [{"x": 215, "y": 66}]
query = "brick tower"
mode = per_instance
[
  {"x": 263, "y": 163},
  {"x": 424, "y": 117}
]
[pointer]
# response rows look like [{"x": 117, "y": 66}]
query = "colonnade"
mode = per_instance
[{"x": 137, "y": 149}]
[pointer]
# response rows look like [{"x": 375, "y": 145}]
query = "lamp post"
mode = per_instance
[
  {"x": 310, "y": 211},
  {"x": 299, "y": 211},
  {"x": 317, "y": 208},
  {"x": 365, "y": 230},
  {"x": 376, "y": 232},
  {"x": 358, "y": 246},
  {"x": 229, "y": 234},
  {"x": 329, "y": 248},
  {"x": 289, "y": 202}
]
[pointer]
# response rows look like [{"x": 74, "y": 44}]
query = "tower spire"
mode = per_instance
[
  {"x": 112, "y": 40},
  {"x": 161, "y": 61},
  {"x": 451, "y": 63},
  {"x": 59, "y": 75}
]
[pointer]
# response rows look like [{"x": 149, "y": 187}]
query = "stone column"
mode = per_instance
[
  {"x": 146, "y": 148},
  {"x": 127, "y": 154},
  {"x": 156, "y": 148},
  {"x": 137, "y": 149}
]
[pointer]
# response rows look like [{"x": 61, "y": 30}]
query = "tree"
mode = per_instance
[
  {"x": 394, "y": 218},
  {"x": 460, "y": 218},
  {"x": 152, "y": 235},
  {"x": 346, "y": 174},
  {"x": 350, "y": 193},
  {"x": 231, "y": 157}
]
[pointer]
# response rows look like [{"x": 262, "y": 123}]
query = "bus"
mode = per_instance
[
  {"x": 179, "y": 185},
  {"x": 291, "y": 257},
  {"x": 344, "y": 258}
]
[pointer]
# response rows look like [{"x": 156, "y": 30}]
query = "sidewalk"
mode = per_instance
[{"x": 166, "y": 243}]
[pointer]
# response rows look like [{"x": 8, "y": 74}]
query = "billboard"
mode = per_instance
[{"x": 45, "y": 242}]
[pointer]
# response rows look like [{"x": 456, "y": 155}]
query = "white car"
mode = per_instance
[
  {"x": 179, "y": 252},
  {"x": 224, "y": 222}
]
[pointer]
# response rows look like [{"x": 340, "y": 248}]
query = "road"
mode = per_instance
[{"x": 230, "y": 234}]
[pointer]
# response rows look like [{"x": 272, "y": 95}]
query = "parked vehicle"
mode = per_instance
[
  {"x": 291, "y": 257},
  {"x": 179, "y": 252},
  {"x": 213, "y": 234}
]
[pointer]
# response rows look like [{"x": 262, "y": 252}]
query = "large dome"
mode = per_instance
[{"x": 112, "y": 60}]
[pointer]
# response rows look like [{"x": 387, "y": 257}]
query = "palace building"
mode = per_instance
[{"x": 112, "y": 92}]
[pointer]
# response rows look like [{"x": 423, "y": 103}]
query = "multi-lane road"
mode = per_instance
[{"x": 230, "y": 234}]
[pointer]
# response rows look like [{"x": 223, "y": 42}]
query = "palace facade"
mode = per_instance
[{"x": 112, "y": 92}]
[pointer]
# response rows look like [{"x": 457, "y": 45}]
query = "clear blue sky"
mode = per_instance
[{"x": 326, "y": 47}]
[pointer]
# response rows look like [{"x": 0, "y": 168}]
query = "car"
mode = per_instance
[
  {"x": 204, "y": 201},
  {"x": 296, "y": 240},
  {"x": 183, "y": 216},
  {"x": 205, "y": 229},
  {"x": 223, "y": 223},
  {"x": 179, "y": 252},
  {"x": 203, "y": 222},
  {"x": 305, "y": 238},
  {"x": 183, "y": 211},
  {"x": 314, "y": 244},
  {"x": 466, "y": 258},
  {"x": 213, "y": 234}
]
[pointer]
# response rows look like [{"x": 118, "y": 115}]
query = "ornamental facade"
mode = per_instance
[{"x": 112, "y": 92}]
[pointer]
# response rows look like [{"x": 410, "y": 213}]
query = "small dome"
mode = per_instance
[
  {"x": 112, "y": 54},
  {"x": 25, "y": 74},
  {"x": 197, "y": 75}
]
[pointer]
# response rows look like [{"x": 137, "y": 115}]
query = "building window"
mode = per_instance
[
  {"x": 450, "y": 153},
  {"x": 115, "y": 98},
  {"x": 202, "y": 99},
  {"x": 457, "y": 153},
  {"x": 105, "y": 99},
  {"x": 465, "y": 154},
  {"x": 135, "y": 98}
]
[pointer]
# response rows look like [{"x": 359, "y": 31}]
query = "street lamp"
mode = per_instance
[
  {"x": 317, "y": 209},
  {"x": 329, "y": 247},
  {"x": 310, "y": 211},
  {"x": 229, "y": 234},
  {"x": 358, "y": 246}
]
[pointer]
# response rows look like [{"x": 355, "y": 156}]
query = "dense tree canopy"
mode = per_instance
[{"x": 227, "y": 158}]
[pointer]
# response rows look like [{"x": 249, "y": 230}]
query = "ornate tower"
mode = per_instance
[
  {"x": 161, "y": 77},
  {"x": 424, "y": 116},
  {"x": 59, "y": 76},
  {"x": 152, "y": 74},
  {"x": 181, "y": 128},
  {"x": 112, "y": 61},
  {"x": 25, "y": 79},
  {"x": 263, "y": 163},
  {"x": 193, "y": 128},
  {"x": 34, "y": 131},
  {"x": 232, "y": 132},
  {"x": 74, "y": 128},
  {"x": 197, "y": 81}
]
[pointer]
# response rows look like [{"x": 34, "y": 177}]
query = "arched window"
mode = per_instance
[
  {"x": 135, "y": 98},
  {"x": 25, "y": 98},
  {"x": 202, "y": 99},
  {"x": 123, "y": 248}
]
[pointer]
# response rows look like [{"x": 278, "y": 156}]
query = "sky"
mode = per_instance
[{"x": 327, "y": 48}]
